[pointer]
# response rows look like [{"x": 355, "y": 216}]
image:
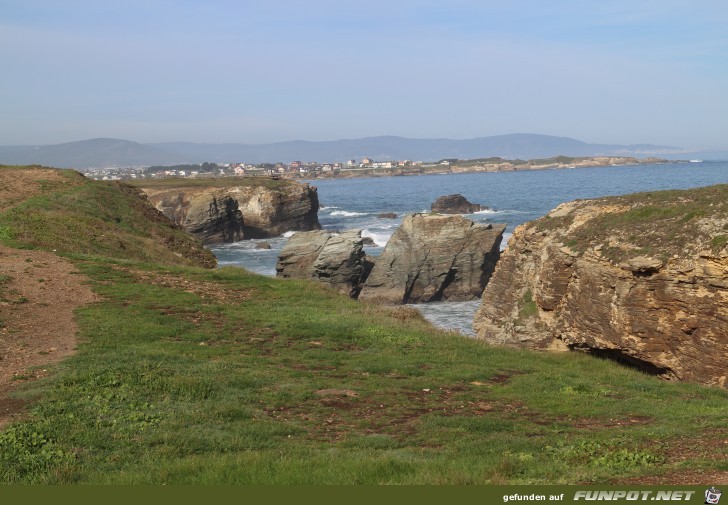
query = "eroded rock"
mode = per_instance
[
  {"x": 455, "y": 204},
  {"x": 228, "y": 211},
  {"x": 433, "y": 257},
  {"x": 579, "y": 279},
  {"x": 336, "y": 259}
]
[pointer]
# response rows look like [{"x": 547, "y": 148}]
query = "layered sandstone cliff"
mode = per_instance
[
  {"x": 640, "y": 278},
  {"x": 228, "y": 210}
]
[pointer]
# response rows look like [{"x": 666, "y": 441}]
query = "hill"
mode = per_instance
[
  {"x": 188, "y": 375},
  {"x": 100, "y": 153}
]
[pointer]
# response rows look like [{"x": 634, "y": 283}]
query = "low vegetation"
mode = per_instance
[
  {"x": 187, "y": 375},
  {"x": 207, "y": 182},
  {"x": 659, "y": 224}
]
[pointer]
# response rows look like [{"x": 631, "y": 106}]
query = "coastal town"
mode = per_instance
[{"x": 366, "y": 167}]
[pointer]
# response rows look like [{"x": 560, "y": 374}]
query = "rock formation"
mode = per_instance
[
  {"x": 455, "y": 204},
  {"x": 431, "y": 258},
  {"x": 642, "y": 279},
  {"x": 227, "y": 210},
  {"x": 336, "y": 259}
]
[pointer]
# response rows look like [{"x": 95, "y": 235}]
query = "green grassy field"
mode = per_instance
[{"x": 186, "y": 375}]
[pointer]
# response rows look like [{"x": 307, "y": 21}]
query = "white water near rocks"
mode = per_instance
[{"x": 513, "y": 198}]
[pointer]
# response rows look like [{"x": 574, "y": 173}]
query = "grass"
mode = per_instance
[
  {"x": 660, "y": 224},
  {"x": 214, "y": 182},
  {"x": 527, "y": 307},
  {"x": 252, "y": 380},
  {"x": 188, "y": 375},
  {"x": 96, "y": 218}
]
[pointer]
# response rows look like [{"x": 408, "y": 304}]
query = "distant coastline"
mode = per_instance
[{"x": 481, "y": 165}]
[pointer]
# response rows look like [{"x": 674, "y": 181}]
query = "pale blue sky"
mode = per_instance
[{"x": 262, "y": 71}]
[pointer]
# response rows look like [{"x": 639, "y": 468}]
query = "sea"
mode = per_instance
[{"x": 512, "y": 197}]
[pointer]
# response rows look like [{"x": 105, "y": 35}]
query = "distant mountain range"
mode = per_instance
[{"x": 107, "y": 153}]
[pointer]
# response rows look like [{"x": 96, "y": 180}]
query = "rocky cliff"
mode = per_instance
[
  {"x": 642, "y": 279},
  {"x": 337, "y": 259},
  {"x": 227, "y": 210},
  {"x": 434, "y": 258}
]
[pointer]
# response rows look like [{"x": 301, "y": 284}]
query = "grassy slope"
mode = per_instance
[
  {"x": 187, "y": 375},
  {"x": 71, "y": 214}
]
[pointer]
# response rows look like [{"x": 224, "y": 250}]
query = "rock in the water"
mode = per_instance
[
  {"x": 387, "y": 215},
  {"x": 336, "y": 259},
  {"x": 263, "y": 245},
  {"x": 432, "y": 258},
  {"x": 225, "y": 210},
  {"x": 580, "y": 279},
  {"x": 455, "y": 204}
]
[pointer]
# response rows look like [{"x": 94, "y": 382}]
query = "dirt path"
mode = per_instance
[{"x": 38, "y": 293}]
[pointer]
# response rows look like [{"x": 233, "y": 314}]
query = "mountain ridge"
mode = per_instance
[{"x": 110, "y": 152}]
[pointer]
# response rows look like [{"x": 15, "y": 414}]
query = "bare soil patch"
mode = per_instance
[
  {"x": 38, "y": 297},
  {"x": 20, "y": 184}
]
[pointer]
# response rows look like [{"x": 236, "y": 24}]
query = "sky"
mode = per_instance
[{"x": 618, "y": 71}]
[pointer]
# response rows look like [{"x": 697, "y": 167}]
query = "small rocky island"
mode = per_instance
[
  {"x": 227, "y": 210},
  {"x": 642, "y": 279},
  {"x": 455, "y": 204}
]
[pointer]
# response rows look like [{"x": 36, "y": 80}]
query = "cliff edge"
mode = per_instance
[
  {"x": 228, "y": 210},
  {"x": 639, "y": 278}
]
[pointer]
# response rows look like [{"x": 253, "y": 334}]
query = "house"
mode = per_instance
[{"x": 382, "y": 164}]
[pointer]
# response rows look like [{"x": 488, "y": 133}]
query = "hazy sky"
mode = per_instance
[{"x": 619, "y": 71}]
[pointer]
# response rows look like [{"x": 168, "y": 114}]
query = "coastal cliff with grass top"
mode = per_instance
[
  {"x": 235, "y": 208},
  {"x": 640, "y": 278},
  {"x": 183, "y": 374}
]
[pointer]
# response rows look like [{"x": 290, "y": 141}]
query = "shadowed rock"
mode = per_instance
[
  {"x": 432, "y": 258},
  {"x": 455, "y": 204},
  {"x": 336, "y": 259},
  {"x": 218, "y": 214}
]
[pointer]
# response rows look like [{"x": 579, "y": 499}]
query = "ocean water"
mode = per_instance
[{"x": 513, "y": 198}]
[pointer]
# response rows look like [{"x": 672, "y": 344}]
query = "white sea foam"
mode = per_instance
[
  {"x": 289, "y": 234},
  {"x": 486, "y": 211},
  {"x": 346, "y": 213},
  {"x": 380, "y": 239}
]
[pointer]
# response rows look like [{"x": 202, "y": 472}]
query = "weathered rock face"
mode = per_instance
[
  {"x": 432, "y": 258},
  {"x": 642, "y": 279},
  {"x": 455, "y": 204},
  {"x": 227, "y": 211},
  {"x": 336, "y": 259}
]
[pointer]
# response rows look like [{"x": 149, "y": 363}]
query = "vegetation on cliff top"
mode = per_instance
[
  {"x": 658, "y": 224},
  {"x": 198, "y": 376},
  {"x": 213, "y": 182},
  {"x": 61, "y": 210}
]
